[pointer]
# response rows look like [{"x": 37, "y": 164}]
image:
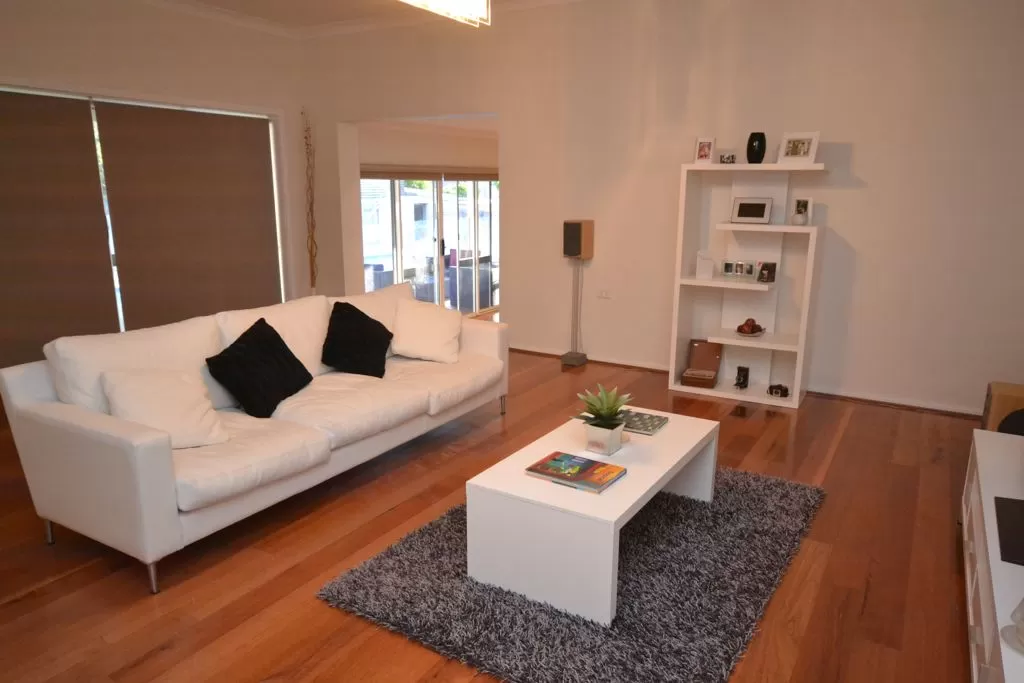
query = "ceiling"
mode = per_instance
[{"x": 305, "y": 17}]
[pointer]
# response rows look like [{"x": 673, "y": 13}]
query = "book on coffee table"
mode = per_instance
[
  {"x": 638, "y": 422},
  {"x": 576, "y": 471}
]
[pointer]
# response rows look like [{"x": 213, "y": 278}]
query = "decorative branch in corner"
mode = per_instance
[{"x": 311, "y": 245}]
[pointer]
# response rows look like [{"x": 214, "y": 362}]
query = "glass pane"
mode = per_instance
[
  {"x": 451, "y": 242},
  {"x": 486, "y": 277},
  {"x": 495, "y": 242},
  {"x": 467, "y": 246},
  {"x": 417, "y": 200},
  {"x": 378, "y": 235}
]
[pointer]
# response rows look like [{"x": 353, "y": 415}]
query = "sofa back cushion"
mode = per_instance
[
  {"x": 77, "y": 363},
  {"x": 381, "y": 305},
  {"x": 302, "y": 324}
]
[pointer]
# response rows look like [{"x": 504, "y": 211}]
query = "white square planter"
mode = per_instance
[{"x": 604, "y": 441}]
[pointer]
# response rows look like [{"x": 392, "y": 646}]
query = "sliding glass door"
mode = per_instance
[{"x": 450, "y": 256}]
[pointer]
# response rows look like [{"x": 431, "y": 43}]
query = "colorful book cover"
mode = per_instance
[{"x": 577, "y": 471}]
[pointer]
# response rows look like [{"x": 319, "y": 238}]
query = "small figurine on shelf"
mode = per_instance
[{"x": 742, "y": 377}]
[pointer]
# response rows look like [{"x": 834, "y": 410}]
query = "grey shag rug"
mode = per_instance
[{"x": 694, "y": 579}]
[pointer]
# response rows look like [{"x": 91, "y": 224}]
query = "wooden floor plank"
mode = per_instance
[{"x": 873, "y": 595}]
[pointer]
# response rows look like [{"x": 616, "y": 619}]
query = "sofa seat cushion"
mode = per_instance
[
  {"x": 447, "y": 383},
  {"x": 257, "y": 452},
  {"x": 352, "y": 407}
]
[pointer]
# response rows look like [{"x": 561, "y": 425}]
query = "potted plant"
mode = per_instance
[{"x": 604, "y": 421}]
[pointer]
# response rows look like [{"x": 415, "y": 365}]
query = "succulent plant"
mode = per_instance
[{"x": 605, "y": 407}]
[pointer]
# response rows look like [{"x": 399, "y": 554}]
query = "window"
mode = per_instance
[
  {"x": 405, "y": 235},
  {"x": 159, "y": 214}
]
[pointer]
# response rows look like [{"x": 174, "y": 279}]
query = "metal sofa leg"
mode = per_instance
[
  {"x": 502, "y": 401},
  {"x": 154, "y": 586},
  {"x": 49, "y": 531}
]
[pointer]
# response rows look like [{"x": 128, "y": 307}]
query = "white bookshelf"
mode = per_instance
[{"x": 712, "y": 308}]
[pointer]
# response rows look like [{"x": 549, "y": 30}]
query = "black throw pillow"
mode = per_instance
[
  {"x": 259, "y": 369},
  {"x": 355, "y": 343}
]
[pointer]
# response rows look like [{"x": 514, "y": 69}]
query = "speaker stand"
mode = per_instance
[{"x": 575, "y": 358}]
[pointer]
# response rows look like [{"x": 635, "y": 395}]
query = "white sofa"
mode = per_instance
[{"x": 121, "y": 484}]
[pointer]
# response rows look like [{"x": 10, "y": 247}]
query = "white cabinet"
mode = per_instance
[{"x": 994, "y": 588}]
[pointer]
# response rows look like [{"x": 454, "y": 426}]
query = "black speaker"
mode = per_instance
[{"x": 578, "y": 239}]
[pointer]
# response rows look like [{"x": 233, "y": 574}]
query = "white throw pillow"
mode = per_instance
[
  {"x": 173, "y": 402},
  {"x": 427, "y": 331}
]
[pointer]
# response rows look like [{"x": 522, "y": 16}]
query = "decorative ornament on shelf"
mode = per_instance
[
  {"x": 757, "y": 145},
  {"x": 727, "y": 158},
  {"x": 742, "y": 377},
  {"x": 705, "y": 266},
  {"x": 311, "y": 246},
  {"x": 471, "y": 12},
  {"x": 801, "y": 211},
  {"x": 749, "y": 328},
  {"x": 604, "y": 421}
]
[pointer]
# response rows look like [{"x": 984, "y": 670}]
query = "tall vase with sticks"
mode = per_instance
[{"x": 311, "y": 245}]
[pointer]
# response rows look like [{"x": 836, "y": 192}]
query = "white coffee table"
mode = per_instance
[{"x": 560, "y": 545}]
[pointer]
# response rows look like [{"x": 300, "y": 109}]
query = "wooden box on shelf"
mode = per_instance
[{"x": 702, "y": 364}]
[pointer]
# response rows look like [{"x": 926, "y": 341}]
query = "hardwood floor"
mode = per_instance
[{"x": 875, "y": 594}]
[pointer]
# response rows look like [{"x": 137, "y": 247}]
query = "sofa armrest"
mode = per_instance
[
  {"x": 106, "y": 478},
  {"x": 487, "y": 339}
]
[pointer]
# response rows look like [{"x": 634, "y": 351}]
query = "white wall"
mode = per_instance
[
  {"x": 918, "y": 102},
  {"x": 599, "y": 102},
  {"x": 407, "y": 144},
  {"x": 133, "y": 50}
]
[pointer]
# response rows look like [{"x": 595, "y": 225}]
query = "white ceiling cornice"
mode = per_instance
[{"x": 198, "y": 8}]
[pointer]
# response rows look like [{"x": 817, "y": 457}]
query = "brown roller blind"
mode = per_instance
[
  {"x": 55, "y": 276},
  {"x": 191, "y": 199},
  {"x": 386, "y": 172}
]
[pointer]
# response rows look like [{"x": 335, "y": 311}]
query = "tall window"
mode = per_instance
[
  {"x": 405, "y": 237},
  {"x": 119, "y": 215}
]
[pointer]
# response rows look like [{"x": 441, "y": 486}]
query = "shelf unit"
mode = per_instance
[
  {"x": 712, "y": 308},
  {"x": 727, "y": 282}
]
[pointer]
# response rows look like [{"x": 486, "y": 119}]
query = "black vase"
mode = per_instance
[{"x": 757, "y": 145}]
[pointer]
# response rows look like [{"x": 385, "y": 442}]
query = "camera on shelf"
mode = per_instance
[{"x": 778, "y": 391}]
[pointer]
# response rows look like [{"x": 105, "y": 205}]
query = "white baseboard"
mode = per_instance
[
  {"x": 874, "y": 398},
  {"x": 614, "y": 361},
  {"x": 908, "y": 402}
]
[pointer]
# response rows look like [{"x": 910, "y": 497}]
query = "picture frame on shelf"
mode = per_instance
[
  {"x": 751, "y": 210},
  {"x": 704, "y": 151},
  {"x": 766, "y": 271},
  {"x": 799, "y": 148},
  {"x": 801, "y": 211}
]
